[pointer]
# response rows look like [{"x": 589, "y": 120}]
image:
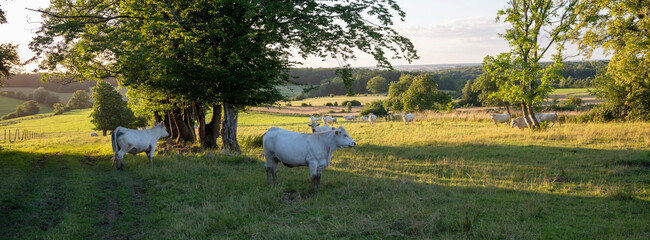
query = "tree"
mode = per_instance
[
  {"x": 395, "y": 92},
  {"x": 9, "y": 58},
  {"x": 485, "y": 86},
  {"x": 535, "y": 26},
  {"x": 374, "y": 107},
  {"x": 79, "y": 100},
  {"x": 229, "y": 53},
  {"x": 622, "y": 28},
  {"x": 109, "y": 110},
  {"x": 58, "y": 108},
  {"x": 423, "y": 94},
  {"x": 470, "y": 96},
  {"x": 377, "y": 84}
]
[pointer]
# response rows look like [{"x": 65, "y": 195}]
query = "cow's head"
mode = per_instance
[
  {"x": 342, "y": 139},
  {"x": 492, "y": 115},
  {"x": 313, "y": 126},
  {"x": 163, "y": 132}
]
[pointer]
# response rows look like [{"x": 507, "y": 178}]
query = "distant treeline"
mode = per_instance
[
  {"x": 576, "y": 75},
  {"x": 33, "y": 80}
]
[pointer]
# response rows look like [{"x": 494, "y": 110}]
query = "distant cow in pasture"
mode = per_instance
[
  {"x": 313, "y": 119},
  {"x": 349, "y": 118},
  {"x": 295, "y": 149},
  {"x": 500, "y": 118},
  {"x": 372, "y": 118},
  {"x": 408, "y": 118},
  {"x": 520, "y": 122},
  {"x": 363, "y": 118},
  {"x": 132, "y": 141},
  {"x": 329, "y": 120},
  {"x": 316, "y": 128},
  {"x": 94, "y": 135}
]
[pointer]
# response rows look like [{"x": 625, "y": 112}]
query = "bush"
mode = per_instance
[
  {"x": 299, "y": 97},
  {"x": 332, "y": 95},
  {"x": 58, "y": 109},
  {"x": 353, "y": 102},
  {"x": 79, "y": 100},
  {"x": 336, "y": 104},
  {"x": 572, "y": 100},
  {"x": 27, "y": 108},
  {"x": 349, "y": 106},
  {"x": 305, "y": 104},
  {"x": 329, "y": 104},
  {"x": 375, "y": 107},
  {"x": 288, "y": 104},
  {"x": 601, "y": 113}
]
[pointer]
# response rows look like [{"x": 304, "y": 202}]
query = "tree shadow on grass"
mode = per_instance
[{"x": 370, "y": 192}]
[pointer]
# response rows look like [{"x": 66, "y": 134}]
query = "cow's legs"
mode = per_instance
[
  {"x": 314, "y": 173},
  {"x": 150, "y": 155},
  {"x": 119, "y": 159},
  {"x": 271, "y": 168}
]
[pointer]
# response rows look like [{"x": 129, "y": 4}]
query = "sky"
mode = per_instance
[{"x": 442, "y": 31}]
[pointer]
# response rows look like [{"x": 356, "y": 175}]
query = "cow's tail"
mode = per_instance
[{"x": 114, "y": 136}]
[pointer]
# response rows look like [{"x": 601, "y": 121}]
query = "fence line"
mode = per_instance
[{"x": 18, "y": 135}]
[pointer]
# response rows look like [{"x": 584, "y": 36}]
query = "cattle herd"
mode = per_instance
[{"x": 292, "y": 149}]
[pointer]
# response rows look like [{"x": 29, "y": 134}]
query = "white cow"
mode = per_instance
[
  {"x": 408, "y": 117},
  {"x": 349, "y": 118},
  {"x": 132, "y": 141},
  {"x": 313, "y": 119},
  {"x": 295, "y": 149},
  {"x": 329, "y": 120},
  {"x": 316, "y": 128},
  {"x": 548, "y": 117},
  {"x": 520, "y": 122},
  {"x": 500, "y": 118},
  {"x": 372, "y": 118},
  {"x": 363, "y": 118}
]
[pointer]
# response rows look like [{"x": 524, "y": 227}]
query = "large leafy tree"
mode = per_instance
[
  {"x": 109, "y": 110},
  {"x": 377, "y": 84},
  {"x": 423, "y": 94},
  {"x": 622, "y": 28},
  {"x": 206, "y": 53},
  {"x": 9, "y": 58},
  {"x": 535, "y": 27}
]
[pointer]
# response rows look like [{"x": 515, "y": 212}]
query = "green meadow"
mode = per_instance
[{"x": 435, "y": 179}]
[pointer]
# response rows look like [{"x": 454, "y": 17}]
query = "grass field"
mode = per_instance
[
  {"x": 446, "y": 179},
  {"x": 65, "y": 97}
]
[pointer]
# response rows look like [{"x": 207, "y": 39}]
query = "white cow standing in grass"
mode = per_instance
[
  {"x": 132, "y": 141},
  {"x": 295, "y": 149},
  {"x": 408, "y": 118},
  {"x": 500, "y": 118},
  {"x": 329, "y": 120},
  {"x": 372, "y": 118},
  {"x": 313, "y": 119},
  {"x": 520, "y": 122},
  {"x": 363, "y": 118},
  {"x": 316, "y": 128},
  {"x": 350, "y": 118}
]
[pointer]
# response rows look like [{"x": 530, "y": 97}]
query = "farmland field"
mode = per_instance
[
  {"x": 433, "y": 179},
  {"x": 8, "y": 105}
]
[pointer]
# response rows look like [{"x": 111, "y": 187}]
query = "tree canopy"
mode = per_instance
[
  {"x": 9, "y": 58},
  {"x": 203, "y": 53},
  {"x": 535, "y": 27},
  {"x": 622, "y": 28}
]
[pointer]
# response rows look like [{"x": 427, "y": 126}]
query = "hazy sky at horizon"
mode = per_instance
[{"x": 443, "y": 31}]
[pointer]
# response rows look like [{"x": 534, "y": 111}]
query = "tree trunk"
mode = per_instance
[
  {"x": 505, "y": 104},
  {"x": 170, "y": 124},
  {"x": 532, "y": 115},
  {"x": 229, "y": 128},
  {"x": 184, "y": 132},
  {"x": 104, "y": 132},
  {"x": 188, "y": 118},
  {"x": 200, "y": 119},
  {"x": 213, "y": 129},
  {"x": 524, "y": 109}
]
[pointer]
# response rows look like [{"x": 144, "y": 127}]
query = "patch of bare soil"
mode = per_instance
[{"x": 309, "y": 110}]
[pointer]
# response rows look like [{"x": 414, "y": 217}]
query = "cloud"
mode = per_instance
[{"x": 472, "y": 30}]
